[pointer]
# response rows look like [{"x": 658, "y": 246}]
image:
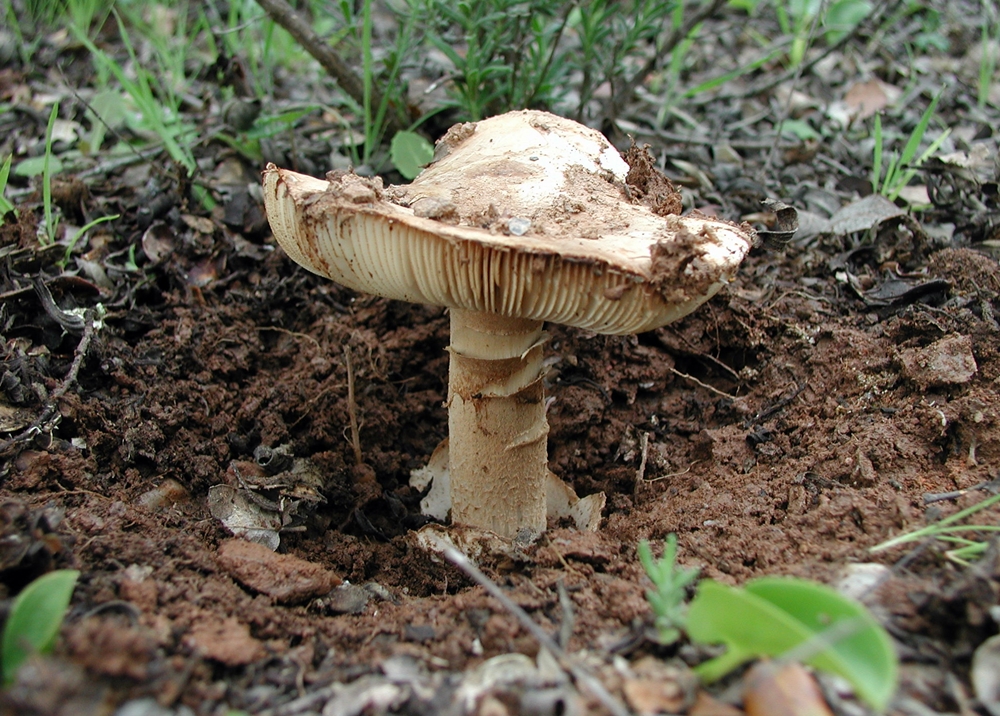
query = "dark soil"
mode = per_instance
[{"x": 794, "y": 422}]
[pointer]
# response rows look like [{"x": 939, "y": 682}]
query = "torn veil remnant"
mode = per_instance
[{"x": 592, "y": 254}]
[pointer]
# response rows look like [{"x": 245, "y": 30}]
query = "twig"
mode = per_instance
[
  {"x": 706, "y": 386},
  {"x": 352, "y": 409},
  {"x": 640, "y": 474},
  {"x": 931, "y": 497},
  {"x": 698, "y": 354},
  {"x": 581, "y": 674},
  {"x": 284, "y": 14},
  {"x": 780, "y": 405},
  {"x": 89, "y": 328},
  {"x": 293, "y": 334},
  {"x": 674, "y": 474}
]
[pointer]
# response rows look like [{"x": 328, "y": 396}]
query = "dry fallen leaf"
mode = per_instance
[
  {"x": 864, "y": 99},
  {"x": 782, "y": 690}
]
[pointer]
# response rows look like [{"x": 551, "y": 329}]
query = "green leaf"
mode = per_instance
[
  {"x": 33, "y": 166},
  {"x": 843, "y": 16},
  {"x": 410, "y": 153},
  {"x": 917, "y": 135},
  {"x": 800, "y": 129},
  {"x": 35, "y": 619},
  {"x": 5, "y": 204},
  {"x": 877, "y": 159},
  {"x": 775, "y": 615}
]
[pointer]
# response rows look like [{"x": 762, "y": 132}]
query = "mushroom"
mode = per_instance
[{"x": 522, "y": 218}]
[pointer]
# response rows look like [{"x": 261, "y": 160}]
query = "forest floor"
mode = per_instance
[{"x": 844, "y": 389}]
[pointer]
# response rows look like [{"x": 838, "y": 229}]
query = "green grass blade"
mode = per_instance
[
  {"x": 912, "y": 171},
  {"x": 931, "y": 530},
  {"x": 50, "y": 228},
  {"x": 5, "y": 204},
  {"x": 877, "y": 159},
  {"x": 371, "y": 130},
  {"x": 83, "y": 230},
  {"x": 913, "y": 143},
  {"x": 726, "y": 77}
]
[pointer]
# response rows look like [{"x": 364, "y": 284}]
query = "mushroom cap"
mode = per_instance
[{"x": 526, "y": 214}]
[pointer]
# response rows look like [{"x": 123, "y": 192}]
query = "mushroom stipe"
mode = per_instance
[{"x": 587, "y": 251}]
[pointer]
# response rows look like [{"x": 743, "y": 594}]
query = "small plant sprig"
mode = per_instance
[
  {"x": 777, "y": 617},
  {"x": 947, "y": 530},
  {"x": 80, "y": 233},
  {"x": 798, "y": 18},
  {"x": 35, "y": 619},
  {"x": 508, "y": 59},
  {"x": 669, "y": 592},
  {"x": 903, "y": 167},
  {"x": 158, "y": 105},
  {"x": 797, "y": 620}
]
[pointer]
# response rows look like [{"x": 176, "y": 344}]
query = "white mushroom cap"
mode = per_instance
[{"x": 588, "y": 256}]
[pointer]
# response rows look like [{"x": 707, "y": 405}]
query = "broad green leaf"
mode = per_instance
[
  {"x": 775, "y": 615},
  {"x": 800, "y": 129},
  {"x": 35, "y": 619},
  {"x": 410, "y": 153},
  {"x": 843, "y": 16},
  {"x": 33, "y": 166},
  {"x": 110, "y": 108}
]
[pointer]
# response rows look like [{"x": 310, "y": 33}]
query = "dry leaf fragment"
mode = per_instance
[
  {"x": 774, "y": 689},
  {"x": 864, "y": 99}
]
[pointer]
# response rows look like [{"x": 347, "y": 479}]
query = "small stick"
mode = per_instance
[
  {"x": 579, "y": 672},
  {"x": 777, "y": 407},
  {"x": 706, "y": 386},
  {"x": 52, "y": 403},
  {"x": 640, "y": 474},
  {"x": 352, "y": 409},
  {"x": 932, "y": 497},
  {"x": 293, "y": 334},
  {"x": 674, "y": 474}
]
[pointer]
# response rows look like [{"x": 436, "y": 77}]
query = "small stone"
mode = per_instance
[
  {"x": 518, "y": 226},
  {"x": 419, "y": 633},
  {"x": 346, "y": 599},
  {"x": 948, "y": 361}
]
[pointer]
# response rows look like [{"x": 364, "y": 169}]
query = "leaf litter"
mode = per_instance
[{"x": 797, "y": 420}]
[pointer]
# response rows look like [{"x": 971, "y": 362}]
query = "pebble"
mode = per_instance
[{"x": 948, "y": 361}]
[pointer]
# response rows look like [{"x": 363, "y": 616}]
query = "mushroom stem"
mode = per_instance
[{"x": 496, "y": 423}]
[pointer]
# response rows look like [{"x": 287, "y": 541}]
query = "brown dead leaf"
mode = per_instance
[
  {"x": 782, "y": 690},
  {"x": 706, "y": 705},
  {"x": 864, "y": 99}
]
